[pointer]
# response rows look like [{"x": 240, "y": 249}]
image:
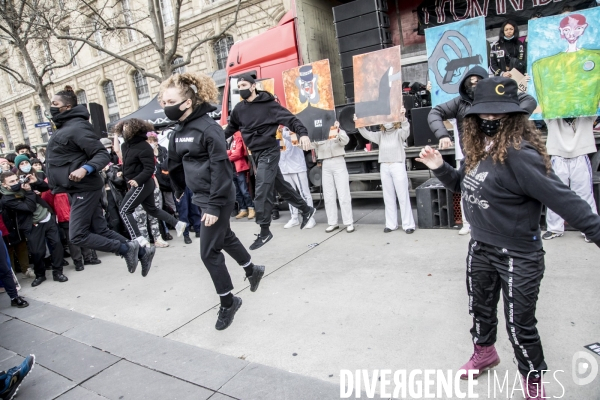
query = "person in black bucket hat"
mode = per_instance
[{"x": 505, "y": 179}]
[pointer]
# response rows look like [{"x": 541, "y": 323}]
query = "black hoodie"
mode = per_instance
[
  {"x": 503, "y": 202},
  {"x": 460, "y": 105},
  {"x": 138, "y": 158},
  {"x": 198, "y": 159},
  {"x": 258, "y": 120},
  {"x": 73, "y": 145}
]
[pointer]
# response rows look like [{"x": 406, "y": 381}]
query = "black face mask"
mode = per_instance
[
  {"x": 16, "y": 187},
  {"x": 490, "y": 127},
  {"x": 173, "y": 112},
  {"x": 54, "y": 111},
  {"x": 245, "y": 93}
]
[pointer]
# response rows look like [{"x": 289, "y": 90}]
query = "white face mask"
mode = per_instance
[{"x": 388, "y": 127}]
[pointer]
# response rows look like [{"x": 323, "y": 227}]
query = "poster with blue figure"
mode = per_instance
[
  {"x": 452, "y": 50},
  {"x": 563, "y": 60}
]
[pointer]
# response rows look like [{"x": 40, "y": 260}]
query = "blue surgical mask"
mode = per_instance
[
  {"x": 509, "y": 38},
  {"x": 26, "y": 168}
]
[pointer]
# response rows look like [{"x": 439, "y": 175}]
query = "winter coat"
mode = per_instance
[
  {"x": 138, "y": 158},
  {"x": 238, "y": 154}
]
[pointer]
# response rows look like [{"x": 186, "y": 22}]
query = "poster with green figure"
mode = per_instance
[{"x": 564, "y": 62}]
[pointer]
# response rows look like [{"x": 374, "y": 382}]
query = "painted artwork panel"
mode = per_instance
[
  {"x": 563, "y": 61},
  {"x": 378, "y": 87},
  {"x": 309, "y": 95},
  {"x": 452, "y": 50}
]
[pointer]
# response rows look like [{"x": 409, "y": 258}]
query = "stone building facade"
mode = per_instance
[{"x": 116, "y": 85}]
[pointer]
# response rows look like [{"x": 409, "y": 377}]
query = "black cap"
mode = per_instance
[
  {"x": 248, "y": 77},
  {"x": 496, "y": 95}
]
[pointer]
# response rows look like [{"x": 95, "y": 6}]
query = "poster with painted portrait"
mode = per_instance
[
  {"x": 452, "y": 50},
  {"x": 309, "y": 95},
  {"x": 377, "y": 87},
  {"x": 563, "y": 61}
]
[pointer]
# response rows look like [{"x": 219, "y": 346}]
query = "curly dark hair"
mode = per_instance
[
  {"x": 132, "y": 127},
  {"x": 514, "y": 129}
]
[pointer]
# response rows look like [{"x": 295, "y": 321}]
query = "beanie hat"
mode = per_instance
[{"x": 20, "y": 158}]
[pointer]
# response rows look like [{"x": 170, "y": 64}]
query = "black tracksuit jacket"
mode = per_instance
[
  {"x": 198, "y": 159},
  {"x": 503, "y": 202},
  {"x": 73, "y": 145},
  {"x": 258, "y": 120},
  {"x": 138, "y": 159}
]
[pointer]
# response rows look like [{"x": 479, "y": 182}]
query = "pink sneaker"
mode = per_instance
[
  {"x": 483, "y": 358},
  {"x": 534, "y": 388}
]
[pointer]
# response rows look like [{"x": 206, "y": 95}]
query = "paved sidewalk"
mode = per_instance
[{"x": 83, "y": 358}]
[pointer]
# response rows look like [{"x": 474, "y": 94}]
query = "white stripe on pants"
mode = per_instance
[
  {"x": 576, "y": 173},
  {"x": 336, "y": 179},
  {"x": 299, "y": 182},
  {"x": 394, "y": 181}
]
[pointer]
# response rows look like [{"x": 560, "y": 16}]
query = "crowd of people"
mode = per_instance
[{"x": 126, "y": 194}]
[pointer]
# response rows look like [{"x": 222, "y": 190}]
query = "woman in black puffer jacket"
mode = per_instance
[
  {"x": 138, "y": 168},
  {"x": 508, "y": 52}
]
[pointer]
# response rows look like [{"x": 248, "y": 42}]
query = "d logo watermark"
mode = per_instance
[{"x": 584, "y": 368}]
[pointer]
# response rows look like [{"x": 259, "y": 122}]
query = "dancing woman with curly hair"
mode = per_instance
[
  {"x": 505, "y": 179},
  {"x": 198, "y": 160}
]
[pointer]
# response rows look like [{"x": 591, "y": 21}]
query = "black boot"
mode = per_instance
[
  {"x": 38, "y": 281},
  {"x": 78, "y": 265},
  {"x": 59, "y": 277},
  {"x": 92, "y": 260}
]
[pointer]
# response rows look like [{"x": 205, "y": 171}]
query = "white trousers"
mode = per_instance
[
  {"x": 576, "y": 173},
  {"x": 394, "y": 182},
  {"x": 300, "y": 183},
  {"x": 336, "y": 179}
]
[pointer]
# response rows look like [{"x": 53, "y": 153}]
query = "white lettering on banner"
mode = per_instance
[{"x": 184, "y": 140}]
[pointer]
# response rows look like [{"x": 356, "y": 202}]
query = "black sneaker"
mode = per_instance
[
  {"x": 260, "y": 241},
  {"x": 197, "y": 234},
  {"x": 19, "y": 302},
  {"x": 146, "y": 260},
  {"x": 14, "y": 377},
  {"x": 187, "y": 240},
  {"x": 131, "y": 257},
  {"x": 307, "y": 216},
  {"x": 275, "y": 215},
  {"x": 225, "y": 316},
  {"x": 257, "y": 273}
]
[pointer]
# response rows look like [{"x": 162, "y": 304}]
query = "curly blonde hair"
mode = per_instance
[
  {"x": 206, "y": 90},
  {"x": 397, "y": 125},
  {"x": 514, "y": 129}
]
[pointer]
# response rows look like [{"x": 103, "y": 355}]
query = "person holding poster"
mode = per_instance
[
  {"x": 394, "y": 179},
  {"x": 257, "y": 117},
  {"x": 506, "y": 178}
]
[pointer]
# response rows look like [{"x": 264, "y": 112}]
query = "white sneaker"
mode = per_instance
[
  {"x": 29, "y": 273},
  {"x": 350, "y": 228},
  {"x": 160, "y": 243},
  {"x": 143, "y": 242},
  {"x": 180, "y": 227},
  {"x": 311, "y": 224},
  {"x": 332, "y": 228},
  {"x": 465, "y": 230},
  {"x": 291, "y": 223}
]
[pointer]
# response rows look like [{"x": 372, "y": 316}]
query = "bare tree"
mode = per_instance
[
  {"x": 115, "y": 21},
  {"x": 28, "y": 58}
]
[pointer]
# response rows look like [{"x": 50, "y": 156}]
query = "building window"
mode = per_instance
[
  {"x": 222, "y": 47},
  {"x": 178, "y": 70},
  {"x": 71, "y": 47},
  {"x": 128, "y": 17},
  {"x": 21, "y": 120},
  {"x": 81, "y": 97},
  {"x": 141, "y": 88},
  {"x": 111, "y": 101},
  {"x": 38, "y": 114},
  {"x": 6, "y": 131},
  {"x": 13, "y": 83},
  {"x": 166, "y": 9},
  {"x": 97, "y": 35}
]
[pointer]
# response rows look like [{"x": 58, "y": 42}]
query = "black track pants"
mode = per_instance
[{"x": 518, "y": 274}]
